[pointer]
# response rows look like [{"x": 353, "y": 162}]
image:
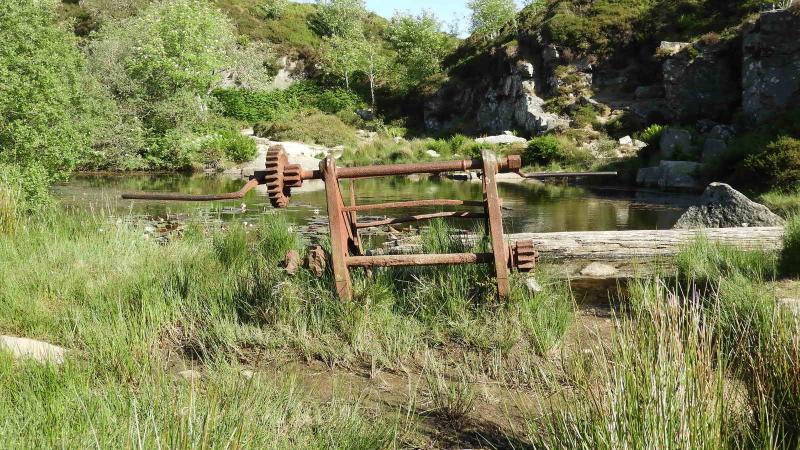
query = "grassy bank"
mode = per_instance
[{"x": 709, "y": 362}]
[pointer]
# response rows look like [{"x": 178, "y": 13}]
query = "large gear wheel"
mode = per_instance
[
  {"x": 281, "y": 176},
  {"x": 524, "y": 256}
]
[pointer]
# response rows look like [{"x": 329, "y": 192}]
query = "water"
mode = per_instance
[{"x": 528, "y": 207}]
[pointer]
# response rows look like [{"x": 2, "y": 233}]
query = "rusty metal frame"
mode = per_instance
[{"x": 346, "y": 247}]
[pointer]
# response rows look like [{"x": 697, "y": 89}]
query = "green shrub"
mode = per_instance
[
  {"x": 336, "y": 100},
  {"x": 22, "y": 190},
  {"x": 652, "y": 134},
  {"x": 552, "y": 149},
  {"x": 349, "y": 117},
  {"x": 231, "y": 145},
  {"x": 583, "y": 116},
  {"x": 778, "y": 164},
  {"x": 254, "y": 106},
  {"x": 313, "y": 128},
  {"x": 790, "y": 257}
]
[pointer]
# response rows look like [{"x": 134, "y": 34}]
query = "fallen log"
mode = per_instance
[
  {"x": 600, "y": 263},
  {"x": 643, "y": 245}
]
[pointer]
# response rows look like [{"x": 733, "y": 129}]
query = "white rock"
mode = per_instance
[
  {"x": 627, "y": 140},
  {"x": 22, "y": 348},
  {"x": 639, "y": 144},
  {"x": 533, "y": 286},
  {"x": 599, "y": 270},
  {"x": 503, "y": 139},
  {"x": 247, "y": 374},
  {"x": 432, "y": 153}
]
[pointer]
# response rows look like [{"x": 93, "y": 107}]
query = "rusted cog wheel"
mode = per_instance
[
  {"x": 523, "y": 256},
  {"x": 277, "y": 188}
]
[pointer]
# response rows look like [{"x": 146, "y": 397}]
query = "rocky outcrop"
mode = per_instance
[
  {"x": 675, "y": 141},
  {"x": 503, "y": 139},
  {"x": 702, "y": 81},
  {"x": 771, "y": 64},
  {"x": 721, "y": 206},
  {"x": 671, "y": 175},
  {"x": 511, "y": 101}
]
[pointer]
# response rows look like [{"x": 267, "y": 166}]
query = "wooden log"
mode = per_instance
[{"x": 644, "y": 245}]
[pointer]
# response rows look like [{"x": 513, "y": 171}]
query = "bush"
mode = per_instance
[
  {"x": 583, "y": 116},
  {"x": 254, "y": 106},
  {"x": 232, "y": 145},
  {"x": 22, "y": 190},
  {"x": 776, "y": 165},
  {"x": 313, "y": 128},
  {"x": 551, "y": 149},
  {"x": 652, "y": 134},
  {"x": 47, "y": 113}
]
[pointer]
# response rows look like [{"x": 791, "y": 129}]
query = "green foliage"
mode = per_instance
[
  {"x": 782, "y": 202},
  {"x": 584, "y": 116},
  {"x": 553, "y": 149},
  {"x": 488, "y": 16},
  {"x": 777, "y": 164},
  {"x": 50, "y": 109},
  {"x": 274, "y": 9},
  {"x": 278, "y": 104},
  {"x": 790, "y": 257},
  {"x": 310, "y": 127},
  {"x": 233, "y": 145},
  {"x": 160, "y": 66},
  {"x": 420, "y": 43},
  {"x": 342, "y": 18},
  {"x": 652, "y": 134}
]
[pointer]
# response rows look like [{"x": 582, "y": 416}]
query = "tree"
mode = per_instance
[
  {"x": 161, "y": 66},
  {"x": 340, "y": 18},
  {"x": 340, "y": 57},
  {"x": 48, "y": 112},
  {"x": 274, "y": 9},
  {"x": 372, "y": 63},
  {"x": 420, "y": 43},
  {"x": 489, "y": 16}
]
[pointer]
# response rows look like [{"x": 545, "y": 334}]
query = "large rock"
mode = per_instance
[
  {"x": 501, "y": 139},
  {"x": 514, "y": 104},
  {"x": 721, "y": 206},
  {"x": 771, "y": 64},
  {"x": 671, "y": 175},
  {"x": 23, "y": 348},
  {"x": 675, "y": 140},
  {"x": 701, "y": 81}
]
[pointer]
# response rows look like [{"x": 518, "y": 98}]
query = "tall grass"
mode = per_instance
[
  {"x": 709, "y": 365},
  {"x": 660, "y": 385},
  {"x": 133, "y": 312},
  {"x": 790, "y": 257},
  {"x": 9, "y": 209}
]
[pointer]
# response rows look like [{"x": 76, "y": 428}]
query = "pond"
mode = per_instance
[{"x": 528, "y": 207}]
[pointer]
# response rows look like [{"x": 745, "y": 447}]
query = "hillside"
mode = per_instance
[{"x": 597, "y": 72}]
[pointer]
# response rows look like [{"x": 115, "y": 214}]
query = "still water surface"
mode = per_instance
[{"x": 529, "y": 207}]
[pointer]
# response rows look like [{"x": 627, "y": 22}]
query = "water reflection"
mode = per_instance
[{"x": 528, "y": 207}]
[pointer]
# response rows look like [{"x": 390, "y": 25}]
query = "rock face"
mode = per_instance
[
  {"x": 701, "y": 81},
  {"x": 724, "y": 207},
  {"x": 514, "y": 104},
  {"x": 671, "y": 175},
  {"x": 674, "y": 140},
  {"x": 771, "y": 64},
  {"x": 39, "y": 351}
]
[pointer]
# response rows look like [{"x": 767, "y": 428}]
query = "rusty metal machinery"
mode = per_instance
[{"x": 347, "y": 251}]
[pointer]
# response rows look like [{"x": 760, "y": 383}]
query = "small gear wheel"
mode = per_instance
[
  {"x": 281, "y": 176},
  {"x": 524, "y": 256}
]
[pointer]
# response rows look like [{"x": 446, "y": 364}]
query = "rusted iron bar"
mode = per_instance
[
  {"x": 508, "y": 164},
  {"x": 419, "y": 217},
  {"x": 193, "y": 198},
  {"x": 414, "y": 204},
  {"x": 568, "y": 174},
  {"x": 419, "y": 260}
]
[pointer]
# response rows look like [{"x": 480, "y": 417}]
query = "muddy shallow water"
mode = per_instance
[{"x": 528, "y": 207}]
